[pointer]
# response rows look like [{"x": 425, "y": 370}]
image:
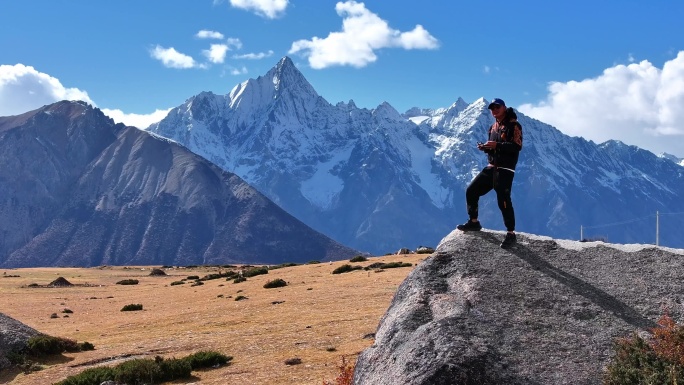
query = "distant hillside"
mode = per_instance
[{"x": 78, "y": 190}]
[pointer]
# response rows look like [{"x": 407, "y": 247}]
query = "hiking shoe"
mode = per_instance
[
  {"x": 509, "y": 241},
  {"x": 470, "y": 226}
]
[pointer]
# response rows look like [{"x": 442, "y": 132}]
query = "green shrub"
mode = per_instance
[
  {"x": 92, "y": 376},
  {"x": 85, "y": 346},
  {"x": 192, "y": 277},
  {"x": 358, "y": 258},
  {"x": 147, "y": 371},
  {"x": 207, "y": 359},
  {"x": 389, "y": 265},
  {"x": 174, "y": 283},
  {"x": 239, "y": 279},
  {"x": 173, "y": 369},
  {"x": 255, "y": 271},
  {"x": 314, "y": 262},
  {"x": 128, "y": 282},
  {"x": 283, "y": 265},
  {"x": 139, "y": 371},
  {"x": 132, "y": 307},
  {"x": 68, "y": 311},
  {"x": 346, "y": 268},
  {"x": 45, "y": 345},
  {"x": 197, "y": 283},
  {"x": 278, "y": 282},
  {"x": 240, "y": 298},
  {"x": 659, "y": 361}
]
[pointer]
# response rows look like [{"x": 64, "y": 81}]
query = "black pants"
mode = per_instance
[{"x": 501, "y": 181}]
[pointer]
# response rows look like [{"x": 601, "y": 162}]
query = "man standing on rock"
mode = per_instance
[{"x": 502, "y": 148}]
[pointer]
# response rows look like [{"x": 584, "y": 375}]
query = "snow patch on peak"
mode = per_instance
[{"x": 325, "y": 185}]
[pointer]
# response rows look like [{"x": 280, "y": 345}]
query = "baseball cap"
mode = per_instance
[{"x": 497, "y": 101}]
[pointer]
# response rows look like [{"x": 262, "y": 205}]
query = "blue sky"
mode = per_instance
[{"x": 597, "y": 69}]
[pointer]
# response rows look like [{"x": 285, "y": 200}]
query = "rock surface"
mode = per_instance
[
  {"x": 14, "y": 337},
  {"x": 546, "y": 312}
]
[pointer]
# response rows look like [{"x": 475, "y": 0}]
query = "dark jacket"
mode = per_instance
[{"x": 508, "y": 137}]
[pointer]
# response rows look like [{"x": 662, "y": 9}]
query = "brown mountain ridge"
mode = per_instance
[{"x": 78, "y": 190}]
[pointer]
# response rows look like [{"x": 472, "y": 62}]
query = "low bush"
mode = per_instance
[
  {"x": 207, "y": 359},
  {"x": 293, "y": 361},
  {"x": 358, "y": 258},
  {"x": 240, "y": 298},
  {"x": 92, "y": 376},
  {"x": 345, "y": 375},
  {"x": 45, "y": 345},
  {"x": 239, "y": 279},
  {"x": 132, "y": 307},
  {"x": 148, "y": 371},
  {"x": 345, "y": 269},
  {"x": 278, "y": 282},
  {"x": 128, "y": 282},
  {"x": 174, "y": 283},
  {"x": 255, "y": 271},
  {"x": 389, "y": 265},
  {"x": 314, "y": 262},
  {"x": 192, "y": 277},
  {"x": 283, "y": 265},
  {"x": 659, "y": 360}
]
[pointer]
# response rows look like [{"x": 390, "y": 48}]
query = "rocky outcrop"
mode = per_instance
[
  {"x": 545, "y": 312},
  {"x": 14, "y": 337}
]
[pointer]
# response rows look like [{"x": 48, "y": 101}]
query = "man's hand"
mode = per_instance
[{"x": 490, "y": 145}]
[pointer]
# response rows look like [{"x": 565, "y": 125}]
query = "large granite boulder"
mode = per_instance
[
  {"x": 546, "y": 312},
  {"x": 14, "y": 337}
]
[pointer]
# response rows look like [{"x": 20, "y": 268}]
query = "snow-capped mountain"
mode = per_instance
[
  {"x": 78, "y": 190},
  {"x": 377, "y": 180}
]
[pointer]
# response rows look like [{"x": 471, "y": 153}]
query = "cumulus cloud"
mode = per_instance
[
  {"x": 638, "y": 104},
  {"x": 269, "y": 9},
  {"x": 363, "y": 32},
  {"x": 172, "y": 58},
  {"x": 205, "y": 34},
  {"x": 23, "y": 88},
  {"x": 136, "y": 120},
  {"x": 216, "y": 53},
  {"x": 254, "y": 56}
]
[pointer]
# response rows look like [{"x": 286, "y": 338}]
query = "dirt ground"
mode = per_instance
[{"x": 318, "y": 317}]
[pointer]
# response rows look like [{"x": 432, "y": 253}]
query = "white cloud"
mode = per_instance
[
  {"x": 238, "y": 71},
  {"x": 23, "y": 88},
  {"x": 234, "y": 42},
  {"x": 216, "y": 53},
  {"x": 254, "y": 56},
  {"x": 270, "y": 9},
  {"x": 638, "y": 104},
  {"x": 363, "y": 32},
  {"x": 172, "y": 58},
  {"x": 136, "y": 120},
  {"x": 205, "y": 34}
]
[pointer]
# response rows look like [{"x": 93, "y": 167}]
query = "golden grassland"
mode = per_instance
[{"x": 319, "y": 318}]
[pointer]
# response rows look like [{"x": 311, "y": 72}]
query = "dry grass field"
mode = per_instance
[{"x": 319, "y": 317}]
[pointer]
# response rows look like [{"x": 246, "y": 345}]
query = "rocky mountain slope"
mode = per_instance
[{"x": 76, "y": 189}]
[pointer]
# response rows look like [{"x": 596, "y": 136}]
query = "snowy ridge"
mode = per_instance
[{"x": 378, "y": 180}]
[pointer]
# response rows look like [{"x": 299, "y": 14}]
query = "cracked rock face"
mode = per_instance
[{"x": 544, "y": 312}]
